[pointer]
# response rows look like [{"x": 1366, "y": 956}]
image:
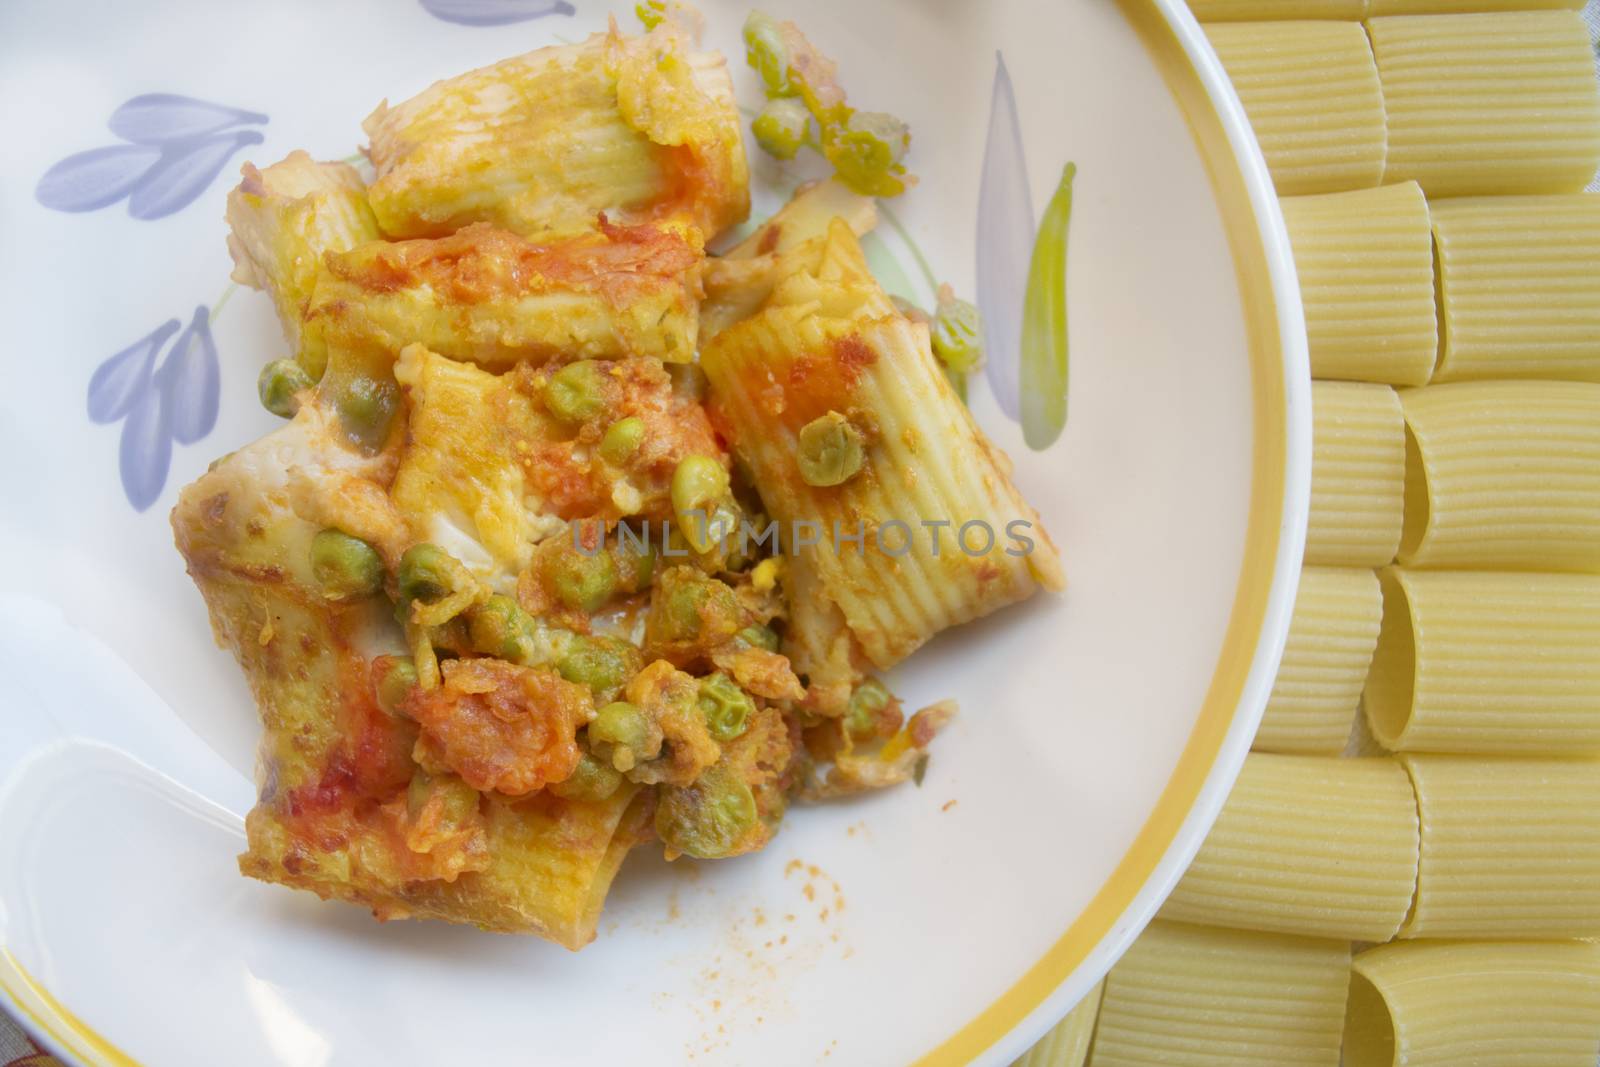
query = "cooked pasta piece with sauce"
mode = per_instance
[
  {"x": 1510, "y": 848},
  {"x": 1503, "y": 475},
  {"x": 1358, "y": 467},
  {"x": 1194, "y": 996},
  {"x": 1310, "y": 845},
  {"x": 1441, "y": 1004},
  {"x": 835, "y": 402},
  {"x": 1489, "y": 103},
  {"x": 493, "y": 298},
  {"x": 1519, "y": 287},
  {"x": 1317, "y": 694},
  {"x": 281, "y": 222},
  {"x": 1488, "y": 662},
  {"x": 1365, "y": 264},
  {"x": 1319, "y": 135},
  {"x": 644, "y": 128}
]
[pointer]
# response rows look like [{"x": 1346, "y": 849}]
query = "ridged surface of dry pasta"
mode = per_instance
[
  {"x": 1319, "y": 134},
  {"x": 1440, "y": 1005},
  {"x": 1519, "y": 287},
  {"x": 1358, "y": 470},
  {"x": 1192, "y": 996},
  {"x": 1503, "y": 474},
  {"x": 1067, "y": 1043},
  {"x": 1365, "y": 264},
  {"x": 1266, "y": 10},
  {"x": 1489, "y": 103},
  {"x": 1489, "y": 662},
  {"x": 1309, "y": 845},
  {"x": 1459, "y": 7},
  {"x": 1510, "y": 848},
  {"x": 1315, "y": 698}
]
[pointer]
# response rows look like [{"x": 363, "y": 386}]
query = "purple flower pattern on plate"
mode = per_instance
[
  {"x": 158, "y": 403},
  {"x": 494, "y": 12},
  {"x": 174, "y": 148},
  {"x": 1004, "y": 243}
]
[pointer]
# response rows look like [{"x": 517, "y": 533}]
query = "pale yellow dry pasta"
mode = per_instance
[
  {"x": 1510, "y": 848},
  {"x": 1319, "y": 134},
  {"x": 1458, "y": 7},
  {"x": 1519, "y": 287},
  {"x": 1067, "y": 1043},
  {"x": 1317, "y": 693},
  {"x": 1358, "y": 468},
  {"x": 1489, "y": 103},
  {"x": 1192, "y": 996},
  {"x": 1503, "y": 475},
  {"x": 1441, "y": 1005},
  {"x": 1263, "y": 10},
  {"x": 1310, "y": 845},
  {"x": 1490, "y": 662},
  {"x": 1365, "y": 264}
]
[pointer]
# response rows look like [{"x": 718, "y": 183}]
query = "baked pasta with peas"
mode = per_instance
[{"x": 517, "y": 586}]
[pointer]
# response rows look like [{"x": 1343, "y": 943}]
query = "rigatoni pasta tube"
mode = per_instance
[
  {"x": 1457, "y": 7},
  {"x": 1317, "y": 693},
  {"x": 1510, "y": 848},
  {"x": 1309, "y": 845},
  {"x": 1262, "y": 10},
  {"x": 282, "y": 220},
  {"x": 1067, "y": 1043},
  {"x": 1358, "y": 468},
  {"x": 1321, "y": 134},
  {"x": 1503, "y": 474},
  {"x": 1489, "y": 103},
  {"x": 1491, "y": 662},
  {"x": 1519, "y": 287},
  {"x": 1193, "y": 996},
  {"x": 1440, "y": 1005},
  {"x": 1365, "y": 264}
]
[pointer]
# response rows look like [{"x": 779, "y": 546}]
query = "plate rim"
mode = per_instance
[{"x": 1258, "y": 621}]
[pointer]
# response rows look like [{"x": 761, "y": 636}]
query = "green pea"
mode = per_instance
[
  {"x": 460, "y": 799},
  {"x": 499, "y": 627},
  {"x": 958, "y": 335},
  {"x": 577, "y": 392},
  {"x": 635, "y": 560},
  {"x": 708, "y": 819},
  {"x": 366, "y": 407},
  {"x": 866, "y": 150},
  {"x": 604, "y": 664},
  {"x": 345, "y": 567},
  {"x": 782, "y": 127},
  {"x": 687, "y": 608},
  {"x": 621, "y": 723},
  {"x": 702, "y": 503},
  {"x": 726, "y": 707},
  {"x": 830, "y": 451},
  {"x": 759, "y": 637},
  {"x": 866, "y": 703},
  {"x": 592, "y": 780},
  {"x": 622, "y": 439},
  {"x": 582, "y": 583},
  {"x": 425, "y": 573},
  {"x": 280, "y": 385},
  {"x": 766, "y": 51},
  {"x": 395, "y": 683}
]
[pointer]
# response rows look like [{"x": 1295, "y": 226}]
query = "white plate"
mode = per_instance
[{"x": 1099, "y": 732}]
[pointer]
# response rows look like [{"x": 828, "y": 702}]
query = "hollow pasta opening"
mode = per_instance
[
  {"x": 1440, "y": 318},
  {"x": 1391, "y": 684},
  {"x": 1418, "y": 514},
  {"x": 1369, "y": 1032}
]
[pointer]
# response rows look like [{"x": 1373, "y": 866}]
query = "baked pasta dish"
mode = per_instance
[{"x": 539, "y": 567}]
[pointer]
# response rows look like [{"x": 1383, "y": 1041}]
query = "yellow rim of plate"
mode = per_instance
[
  {"x": 1253, "y": 601},
  {"x": 1263, "y": 593}
]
